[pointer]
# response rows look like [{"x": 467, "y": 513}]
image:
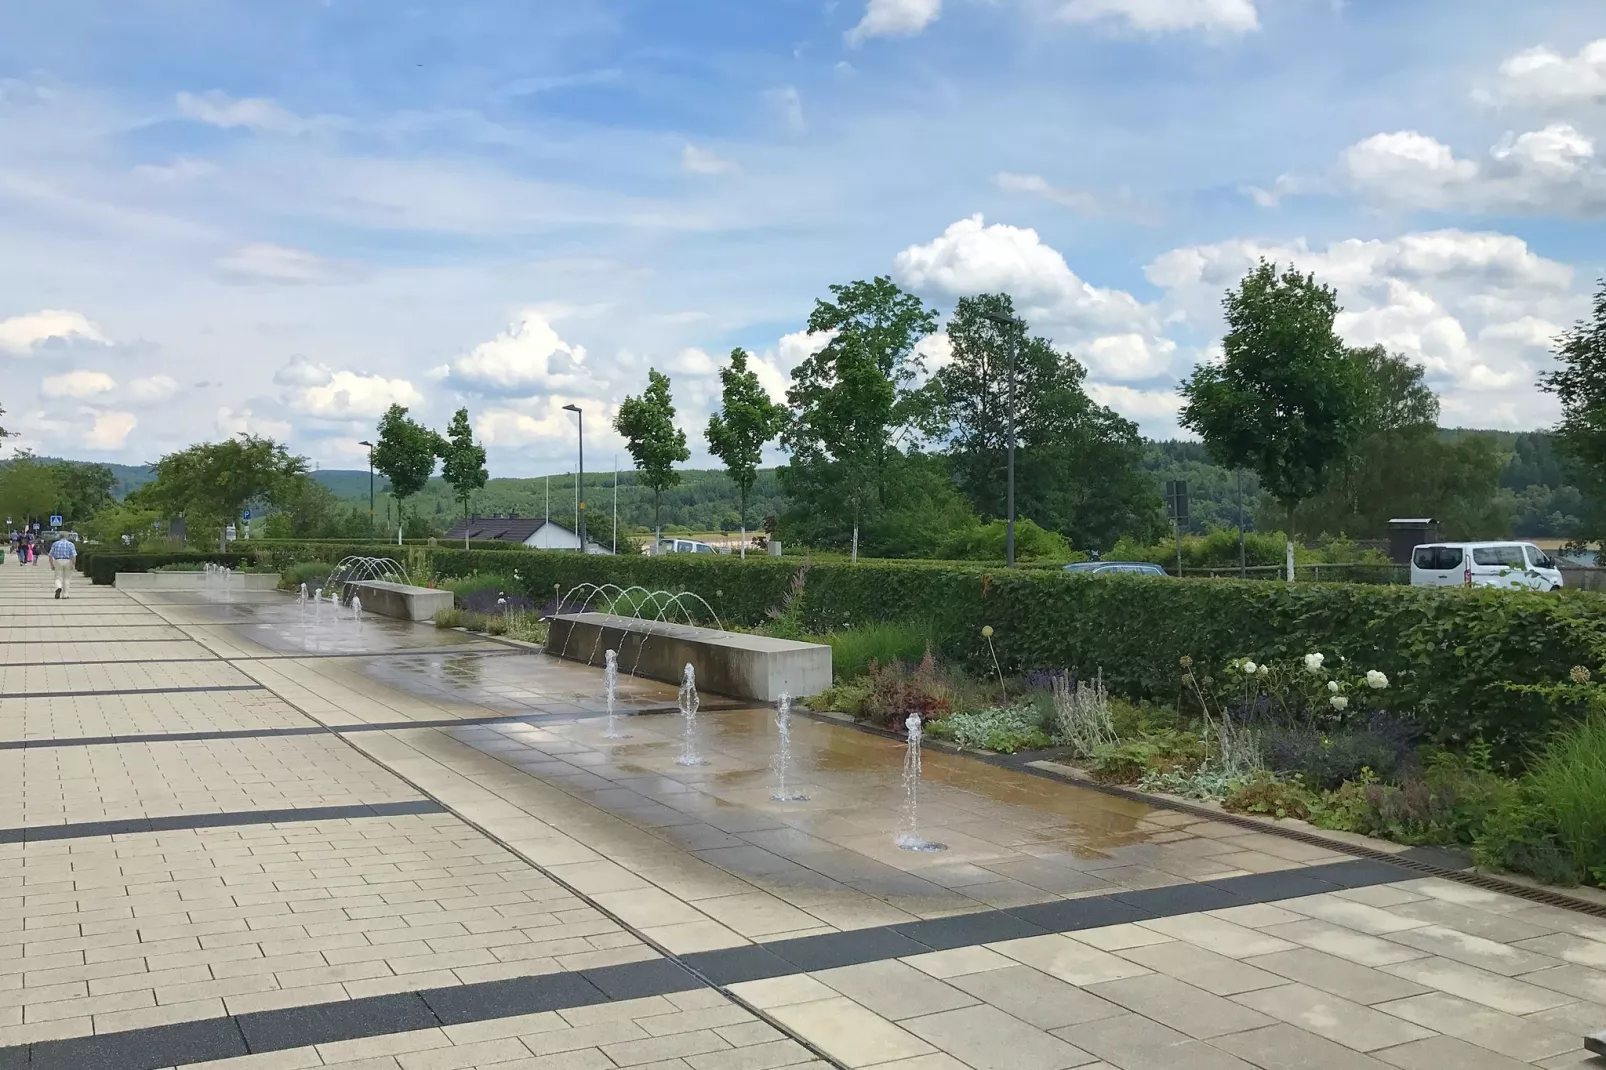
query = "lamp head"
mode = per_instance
[{"x": 571, "y": 408}]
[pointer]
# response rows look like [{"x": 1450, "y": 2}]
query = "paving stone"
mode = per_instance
[
  {"x": 1203, "y": 969},
  {"x": 894, "y": 989},
  {"x": 1184, "y": 1008},
  {"x": 1352, "y": 981},
  {"x": 1476, "y": 951},
  {"x": 1283, "y": 1047},
  {"x": 1520, "y": 1038},
  {"x": 850, "y": 1033},
  {"x": 1436, "y": 1053},
  {"x": 1352, "y": 1024},
  {"x": 988, "y": 1039},
  {"x": 1507, "y": 994},
  {"x": 1035, "y": 998},
  {"x": 1135, "y": 1043}
]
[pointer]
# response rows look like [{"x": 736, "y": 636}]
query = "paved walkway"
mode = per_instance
[{"x": 250, "y": 836}]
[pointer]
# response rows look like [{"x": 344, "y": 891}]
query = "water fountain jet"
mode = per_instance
[
  {"x": 909, "y": 838},
  {"x": 610, "y": 687},
  {"x": 783, "y": 753},
  {"x": 688, "y": 718}
]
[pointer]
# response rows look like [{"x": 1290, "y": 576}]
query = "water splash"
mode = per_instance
[
  {"x": 909, "y": 837},
  {"x": 610, "y": 689},
  {"x": 688, "y": 720},
  {"x": 356, "y": 609},
  {"x": 317, "y": 605},
  {"x": 783, "y": 753}
]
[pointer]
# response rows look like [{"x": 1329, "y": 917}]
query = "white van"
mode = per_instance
[
  {"x": 685, "y": 546},
  {"x": 1484, "y": 564}
]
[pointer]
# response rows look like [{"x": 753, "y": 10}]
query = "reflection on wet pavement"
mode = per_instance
[{"x": 1013, "y": 838}]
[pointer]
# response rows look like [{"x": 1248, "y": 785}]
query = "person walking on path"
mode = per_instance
[{"x": 63, "y": 558}]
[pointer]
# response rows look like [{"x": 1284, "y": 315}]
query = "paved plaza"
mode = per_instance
[{"x": 247, "y": 835}]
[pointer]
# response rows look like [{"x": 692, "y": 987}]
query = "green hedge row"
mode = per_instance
[{"x": 1451, "y": 653}]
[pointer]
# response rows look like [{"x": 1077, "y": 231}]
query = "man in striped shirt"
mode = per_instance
[{"x": 63, "y": 558}]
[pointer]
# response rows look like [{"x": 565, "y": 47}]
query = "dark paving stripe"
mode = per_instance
[
  {"x": 135, "y": 691},
  {"x": 124, "y": 826},
  {"x": 326, "y": 1023}
]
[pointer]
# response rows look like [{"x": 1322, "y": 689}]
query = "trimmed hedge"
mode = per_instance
[
  {"x": 102, "y": 567},
  {"x": 1450, "y": 653}
]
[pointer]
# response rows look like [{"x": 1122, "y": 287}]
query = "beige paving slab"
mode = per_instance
[
  {"x": 1171, "y": 1002},
  {"x": 986, "y": 1038},
  {"x": 1509, "y": 1035},
  {"x": 1352, "y": 1024}
]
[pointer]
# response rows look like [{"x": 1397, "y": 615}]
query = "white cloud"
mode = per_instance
[
  {"x": 1082, "y": 202},
  {"x": 182, "y": 170},
  {"x": 20, "y": 334},
  {"x": 1159, "y": 16},
  {"x": 110, "y": 430},
  {"x": 895, "y": 18},
  {"x": 1553, "y": 170},
  {"x": 1128, "y": 356},
  {"x": 152, "y": 389},
  {"x": 326, "y": 393},
  {"x": 971, "y": 257},
  {"x": 790, "y": 102},
  {"x": 703, "y": 162},
  {"x": 543, "y": 420},
  {"x": 266, "y": 262},
  {"x": 526, "y": 359},
  {"x": 1542, "y": 77},
  {"x": 78, "y": 384},
  {"x": 1154, "y": 410},
  {"x": 216, "y": 108},
  {"x": 244, "y": 421}
]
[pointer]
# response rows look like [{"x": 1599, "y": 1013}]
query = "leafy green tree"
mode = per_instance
[
  {"x": 737, "y": 435},
  {"x": 1287, "y": 400},
  {"x": 1078, "y": 464},
  {"x": 463, "y": 463},
  {"x": 918, "y": 510},
  {"x": 1580, "y": 385},
  {"x": 82, "y": 490},
  {"x": 28, "y": 489},
  {"x": 302, "y": 509},
  {"x": 655, "y": 443},
  {"x": 405, "y": 454},
  {"x": 860, "y": 401},
  {"x": 210, "y": 484}
]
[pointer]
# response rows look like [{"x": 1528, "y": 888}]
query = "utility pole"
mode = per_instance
[
  {"x": 616, "y": 503},
  {"x": 1243, "y": 571},
  {"x": 370, "y": 446},
  {"x": 580, "y": 483}
]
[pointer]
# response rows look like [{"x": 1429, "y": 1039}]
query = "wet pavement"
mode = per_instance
[{"x": 248, "y": 837}]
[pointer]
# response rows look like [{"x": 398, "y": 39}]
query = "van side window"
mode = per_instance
[
  {"x": 1538, "y": 558},
  {"x": 1426, "y": 557},
  {"x": 1505, "y": 556},
  {"x": 1449, "y": 558}
]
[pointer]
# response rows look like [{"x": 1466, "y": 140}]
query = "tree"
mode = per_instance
[
  {"x": 859, "y": 400},
  {"x": 655, "y": 443},
  {"x": 82, "y": 490},
  {"x": 1287, "y": 400},
  {"x": 463, "y": 463},
  {"x": 405, "y": 454},
  {"x": 1078, "y": 465},
  {"x": 303, "y": 509},
  {"x": 1580, "y": 385},
  {"x": 738, "y": 434},
  {"x": 210, "y": 484},
  {"x": 28, "y": 489}
]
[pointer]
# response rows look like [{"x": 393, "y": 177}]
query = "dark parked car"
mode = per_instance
[{"x": 1143, "y": 568}]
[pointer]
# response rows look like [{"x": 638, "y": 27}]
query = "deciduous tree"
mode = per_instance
[
  {"x": 1286, "y": 400},
  {"x": 463, "y": 463},
  {"x": 405, "y": 454},
  {"x": 747, "y": 422},
  {"x": 655, "y": 443}
]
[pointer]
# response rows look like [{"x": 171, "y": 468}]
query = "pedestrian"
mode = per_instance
[{"x": 63, "y": 559}]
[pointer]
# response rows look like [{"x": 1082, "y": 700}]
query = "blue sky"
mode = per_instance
[{"x": 281, "y": 217}]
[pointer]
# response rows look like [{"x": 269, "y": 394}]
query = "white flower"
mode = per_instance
[
  {"x": 1376, "y": 680},
  {"x": 1313, "y": 663},
  {"x": 1264, "y": 670},
  {"x": 1338, "y": 702},
  {"x": 1332, "y": 685},
  {"x": 1249, "y": 668}
]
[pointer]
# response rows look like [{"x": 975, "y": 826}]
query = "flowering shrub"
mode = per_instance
[
  {"x": 897, "y": 690},
  {"x": 1006, "y": 729}
]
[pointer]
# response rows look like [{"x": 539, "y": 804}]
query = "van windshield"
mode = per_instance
[
  {"x": 1539, "y": 558},
  {"x": 1437, "y": 558}
]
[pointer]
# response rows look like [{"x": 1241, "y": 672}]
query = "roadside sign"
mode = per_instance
[
  {"x": 55, "y": 521},
  {"x": 247, "y": 515},
  {"x": 1176, "y": 500}
]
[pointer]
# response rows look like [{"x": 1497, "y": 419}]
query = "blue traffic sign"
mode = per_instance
[
  {"x": 55, "y": 521},
  {"x": 247, "y": 515}
]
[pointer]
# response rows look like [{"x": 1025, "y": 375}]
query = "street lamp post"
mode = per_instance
[
  {"x": 580, "y": 486},
  {"x": 370, "y": 446},
  {"x": 1012, "y": 325}
]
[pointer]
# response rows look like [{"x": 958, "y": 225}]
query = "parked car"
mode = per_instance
[
  {"x": 685, "y": 546},
  {"x": 1099, "y": 568},
  {"x": 1484, "y": 564}
]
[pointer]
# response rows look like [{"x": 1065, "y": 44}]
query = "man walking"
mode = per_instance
[{"x": 63, "y": 558}]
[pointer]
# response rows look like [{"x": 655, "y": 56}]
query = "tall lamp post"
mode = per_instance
[
  {"x": 580, "y": 486},
  {"x": 370, "y": 446},
  {"x": 1013, "y": 327}
]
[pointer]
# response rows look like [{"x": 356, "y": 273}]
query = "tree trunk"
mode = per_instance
[
  {"x": 657, "y": 523},
  {"x": 744, "y": 523},
  {"x": 1290, "y": 537},
  {"x": 465, "y": 523},
  {"x": 855, "y": 531}
]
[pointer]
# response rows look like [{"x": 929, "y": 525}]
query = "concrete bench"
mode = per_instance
[
  {"x": 728, "y": 663},
  {"x": 194, "y": 581},
  {"x": 399, "y": 600}
]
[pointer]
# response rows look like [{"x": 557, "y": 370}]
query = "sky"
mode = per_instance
[{"x": 280, "y": 218}]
